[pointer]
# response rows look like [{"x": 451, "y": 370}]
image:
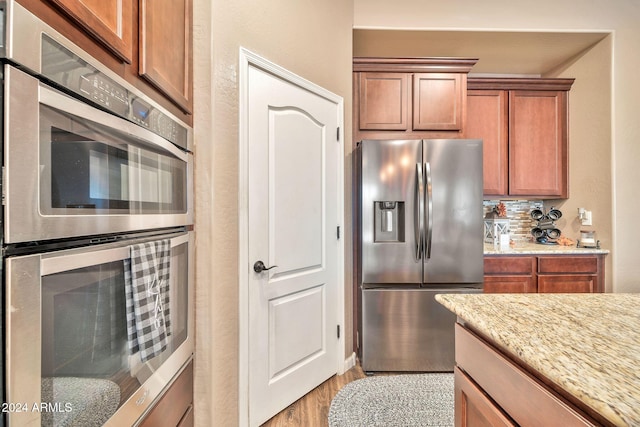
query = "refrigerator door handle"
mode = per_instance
[
  {"x": 418, "y": 217},
  {"x": 429, "y": 209}
]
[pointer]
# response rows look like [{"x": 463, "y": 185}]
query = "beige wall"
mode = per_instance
[
  {"x": 311, "y": 39},
  {"x": 620, "y": 17},
  {"x": 590, "y": 165}
]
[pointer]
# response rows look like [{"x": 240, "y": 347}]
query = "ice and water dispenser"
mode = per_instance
[{"x": 389, "y": 221}]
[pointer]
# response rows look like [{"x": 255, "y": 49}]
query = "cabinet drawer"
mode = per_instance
[
  {"x": 564, "y": 264},
  {"x": 509, "y": 284},
  {"x": 525, "y": 399},
  {"x": 567, "y": 284},
  {"x": 508, "y": 265},
  {"x": 175, "y": 404}
]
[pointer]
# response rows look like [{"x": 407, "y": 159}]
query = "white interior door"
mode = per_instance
[{"x": 293, "y": 215}]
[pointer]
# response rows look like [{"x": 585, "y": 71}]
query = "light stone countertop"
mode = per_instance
[
  {"x": 587, "y": 344},
  {"x": 539, "y": 249}
]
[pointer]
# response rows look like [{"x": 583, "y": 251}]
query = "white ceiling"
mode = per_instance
[{"x": 499, "y": 53}]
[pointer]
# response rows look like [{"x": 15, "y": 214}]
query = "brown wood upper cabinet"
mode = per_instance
[
  {"x": 154, "y": 39},
  {"x": 165, "y": 48},
  {"x": 438, "y": 101},
  {"x": 109, "y": 21},
  {"x": 524, "y": 125},
  {"x": 410, "y": 97},
  {"x": 384, "y": 101}
]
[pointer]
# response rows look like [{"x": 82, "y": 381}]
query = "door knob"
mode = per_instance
[{"x": 259, "y": 267}]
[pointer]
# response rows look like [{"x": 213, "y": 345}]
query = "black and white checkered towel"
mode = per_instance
[{"x": 147, "y": 295}]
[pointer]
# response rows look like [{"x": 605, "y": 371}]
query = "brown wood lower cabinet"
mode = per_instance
[
  {"x": 493, "y": 390},
  {"x": 567, "y": 283},
  {"x": 544, "y": 273},
  {"x": 474, "y": 407},
  {"x": 175, "y": 407},
  {"x": 509, "y": 284},
  {"x": 504, "y": 274}
]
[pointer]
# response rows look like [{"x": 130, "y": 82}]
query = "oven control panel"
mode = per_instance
[{"x": 74, "y": 74}]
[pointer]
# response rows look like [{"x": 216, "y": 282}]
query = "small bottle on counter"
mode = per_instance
[{"x": 504, "y": 242}]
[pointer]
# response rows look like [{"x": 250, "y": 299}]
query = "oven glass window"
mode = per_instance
[
  {"x": 87, "y": 369},
  {"x": 88, "y": 169}
]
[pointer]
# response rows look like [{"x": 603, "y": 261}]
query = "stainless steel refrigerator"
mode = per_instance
[{"x": 422, "y": 234}]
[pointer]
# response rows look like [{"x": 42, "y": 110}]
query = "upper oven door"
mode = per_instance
[{"x": 73, "y": 170}]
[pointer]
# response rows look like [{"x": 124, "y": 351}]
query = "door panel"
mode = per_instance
[
  {"x": 487, "y": 119},
  {"x": 295, "y": 342},
  {"x": 384, "y": 101},
  {"x": 295, "y": 187},
  {"x": 389, "y": 250},
  {"x": 408, "y": 330},
  {"x": 538, "y": 147},
  {"x": 293, "y": 215},
  {"x": 455, "y": 246},
  {"x": 166, "y": 45},
  {"x": 438, "y": 101}
]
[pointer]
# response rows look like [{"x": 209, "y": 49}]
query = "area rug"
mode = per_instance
[{"x": 423, "y": 400}]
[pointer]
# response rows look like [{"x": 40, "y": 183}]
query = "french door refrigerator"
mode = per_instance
[{"x": 422, "y": 234}]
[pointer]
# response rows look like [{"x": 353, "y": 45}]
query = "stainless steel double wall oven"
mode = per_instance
[{"x": 97, "y": 204}]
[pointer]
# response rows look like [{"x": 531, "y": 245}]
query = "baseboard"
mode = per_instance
[{"x": 350, "y": 362}]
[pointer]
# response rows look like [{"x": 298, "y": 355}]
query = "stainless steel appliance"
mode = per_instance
[
  {"x": 422, "y": 234},
  {"x": 66, "y": 344},
  {"x": 84, "y": 152},
  {"x": 94, "y": 173}
]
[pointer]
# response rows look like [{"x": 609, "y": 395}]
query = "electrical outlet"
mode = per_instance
[{"x": 586, "y": 218}]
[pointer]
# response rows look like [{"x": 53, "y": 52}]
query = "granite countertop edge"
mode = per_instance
[
  {"x": 586, "y": 344},
  {"x": 539, "y": 249}
]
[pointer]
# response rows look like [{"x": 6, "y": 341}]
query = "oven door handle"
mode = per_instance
[
  {"x": 57, "y": 263},
  {"x": 69, "y": 106}
]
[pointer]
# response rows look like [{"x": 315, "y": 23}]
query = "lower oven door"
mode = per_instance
[{"x": 69, "y": 321}]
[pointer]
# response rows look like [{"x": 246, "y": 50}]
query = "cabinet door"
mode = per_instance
[
  {"x": 438, "y": 101},
  {"x": 166, "y": 48},
  {"x": 509, "y": 284},
  {"x": 538, "y": 164},
  {"x": 563, "y": 274},
  {"x": 473, "y": 407},
  {"x": 487, "y": 119},
  {"x": 567, "y": 283},
  {"x": 175, "y": 404},
  {"x": 384, "y": 101},
  {"x": 109, "y": 21}
]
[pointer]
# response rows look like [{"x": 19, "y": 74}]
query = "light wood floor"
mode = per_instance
[{"x": 312, "y": 409}]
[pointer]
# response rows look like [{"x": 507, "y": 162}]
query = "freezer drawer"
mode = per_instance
[{"x": 407, "y": 330}]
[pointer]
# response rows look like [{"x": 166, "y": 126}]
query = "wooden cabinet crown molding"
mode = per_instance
[
  {"x": 411, "y": 65},
  {"x": 529, "y": 83}
]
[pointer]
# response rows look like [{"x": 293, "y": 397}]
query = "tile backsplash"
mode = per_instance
[{"x": 518, "y": 213}]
